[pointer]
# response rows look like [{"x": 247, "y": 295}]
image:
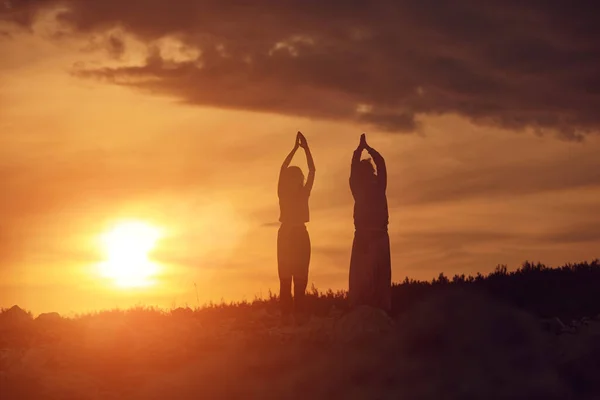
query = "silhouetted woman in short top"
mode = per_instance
[
  {"x": 293, "y": 242},
  {"x": 370, "y": 264}
]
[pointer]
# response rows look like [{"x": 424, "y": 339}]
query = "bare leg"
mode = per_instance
[{"x": 302, "y": 240}]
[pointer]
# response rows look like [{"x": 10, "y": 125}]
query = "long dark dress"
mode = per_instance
[{"x": 370, "y": 264}]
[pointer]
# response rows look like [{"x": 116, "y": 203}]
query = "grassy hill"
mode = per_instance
[{"x": 460, "y": 338}]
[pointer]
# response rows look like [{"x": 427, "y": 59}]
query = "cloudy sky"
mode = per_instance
[{"x": 179, "y": 114}]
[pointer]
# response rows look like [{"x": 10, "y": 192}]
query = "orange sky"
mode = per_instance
[{"x": 78, "y": 155}]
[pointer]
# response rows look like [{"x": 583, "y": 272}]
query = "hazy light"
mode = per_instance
[{"x": 127, "y": 247}]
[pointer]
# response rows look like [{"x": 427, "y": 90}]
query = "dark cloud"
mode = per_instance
[
  {"x": 115, "y": 46},
  {"x": 508, "y": 63}
]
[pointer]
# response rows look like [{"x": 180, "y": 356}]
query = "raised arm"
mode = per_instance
[
  {"x": 356, "y": 160},
  {"x": 380, "y": 164},
  {"x": 286, "y": 163},
  {"x": 310, "y": 180}
]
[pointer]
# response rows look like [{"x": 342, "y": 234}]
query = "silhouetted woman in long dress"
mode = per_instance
[
  {"x": 293, "y": 242},
  {"x": 370, "y": 263}
]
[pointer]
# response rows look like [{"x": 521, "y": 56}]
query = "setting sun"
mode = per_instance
[{"x": 127, "y": 247}]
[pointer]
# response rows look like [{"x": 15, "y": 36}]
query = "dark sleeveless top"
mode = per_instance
[{"x": 293, "y": 207}]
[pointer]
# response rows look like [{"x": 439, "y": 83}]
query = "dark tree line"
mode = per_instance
[{"x": 568, "y": 292}]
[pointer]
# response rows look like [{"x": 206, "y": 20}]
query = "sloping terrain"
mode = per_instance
[{"x": 456, "y": 344}]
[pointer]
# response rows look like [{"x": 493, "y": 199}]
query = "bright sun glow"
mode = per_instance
[{"x": 127, "y": 247}]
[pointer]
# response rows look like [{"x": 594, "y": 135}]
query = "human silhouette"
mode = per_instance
[
  {"x": 370, "y": 263},
  {"x": 293, "y": 241}
]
